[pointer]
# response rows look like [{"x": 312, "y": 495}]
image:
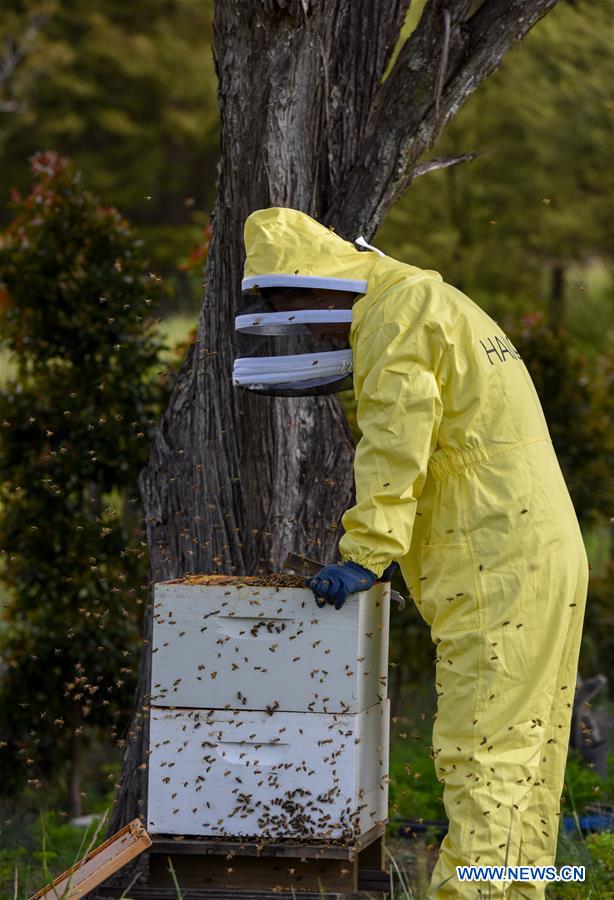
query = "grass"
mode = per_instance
[{"x": 47, "y": 847}]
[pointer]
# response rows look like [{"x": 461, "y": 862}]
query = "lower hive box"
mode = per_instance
[{"x": 302, "y": 776}]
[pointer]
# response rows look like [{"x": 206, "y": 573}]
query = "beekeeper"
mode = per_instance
[{"x": 458, "y": 482}]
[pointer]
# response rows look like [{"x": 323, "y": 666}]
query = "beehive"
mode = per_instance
[{"x": 269, "y": 715}]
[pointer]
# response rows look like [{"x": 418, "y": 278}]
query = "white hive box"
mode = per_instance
[
  {"x": 229, "y": 646},
  {"x": 251, "y": 774}
]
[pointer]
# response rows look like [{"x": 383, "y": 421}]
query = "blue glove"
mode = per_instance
[
  {"x": 333, "y": 584},
  {"x": 389, "y": 572}
]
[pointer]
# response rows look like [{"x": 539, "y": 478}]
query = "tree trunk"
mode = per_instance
[
  {"x": 74, "y": 776},
  {"x": 235, "y": 480},
  {"x": 557, "y": 297}
]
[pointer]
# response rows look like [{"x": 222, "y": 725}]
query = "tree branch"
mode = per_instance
[
  {"x": 443, "y": 65},
  {"x": 405, "y": 121},
  {"x": 440, "y": 162},
  {"x": 14, "y": 50}
]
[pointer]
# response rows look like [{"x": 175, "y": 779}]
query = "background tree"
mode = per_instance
[
  {"x": 235, "y": 481},
  {"x": 128, "y": 92},
  {"x": 14, "y": 49},
  {"x": 76, "y": 418}
]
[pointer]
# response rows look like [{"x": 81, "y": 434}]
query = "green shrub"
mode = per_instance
[{"x": 76, "y": 416}]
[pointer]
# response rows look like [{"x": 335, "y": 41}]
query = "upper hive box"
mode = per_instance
[{"x": 222, "y": 643}]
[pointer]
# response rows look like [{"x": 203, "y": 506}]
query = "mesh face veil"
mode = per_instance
[
  {"x": 299, "y": 283},
  {"x": 293, "y": 340}
]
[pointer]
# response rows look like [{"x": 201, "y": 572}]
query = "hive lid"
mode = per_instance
[{"x": 274, "y": 581}]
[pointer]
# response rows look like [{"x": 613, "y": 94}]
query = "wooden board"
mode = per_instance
[
  {"x": 98, "y": 865},
  {"x": 147, "y": 892},
  {"x": 242, "y": 873},
  {"x": 272, "y": 868},
  {"x": 372, "y": 854}
]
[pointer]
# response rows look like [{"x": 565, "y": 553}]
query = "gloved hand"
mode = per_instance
[
  {"x": 333, "y": 584},
  {"x": 389, "y": 572}
]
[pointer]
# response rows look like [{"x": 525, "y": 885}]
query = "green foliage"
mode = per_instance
[
  {"x": 40, "y": 850},
  {"x": 414, "y": 790},
  {"x": 76, "y": 421},
  {"x": 594, "y": 852},
  {"x": 601, "y": 849},
  {"x": 583, "y": 787},
  {"x": 129, "y": 92},
  {"x": 415, "y": 793}
]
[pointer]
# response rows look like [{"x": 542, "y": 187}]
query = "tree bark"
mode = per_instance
[
  {"x": 74, "y": 777},
  {"x": 235, "y": 480},
  {"x": 557, "y": 296}
]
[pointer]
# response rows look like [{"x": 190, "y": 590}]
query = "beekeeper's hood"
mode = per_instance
[{"x": 293, "y": 341}]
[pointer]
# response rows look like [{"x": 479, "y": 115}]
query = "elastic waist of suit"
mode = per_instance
[
  {"x": 444, "y": 463},
  {"x": 447, "y": 462}
]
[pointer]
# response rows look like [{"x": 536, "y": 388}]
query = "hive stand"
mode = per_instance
[{"x": 208, "y": 868}]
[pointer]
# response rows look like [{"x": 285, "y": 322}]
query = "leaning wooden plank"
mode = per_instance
[{"x": 98, "y": 865}]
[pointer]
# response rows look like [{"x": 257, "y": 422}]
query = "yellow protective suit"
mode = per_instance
[{"x": 457, "y": 480}]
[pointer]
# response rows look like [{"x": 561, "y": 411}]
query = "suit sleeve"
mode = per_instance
[{"x": 398, "y": 413}]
